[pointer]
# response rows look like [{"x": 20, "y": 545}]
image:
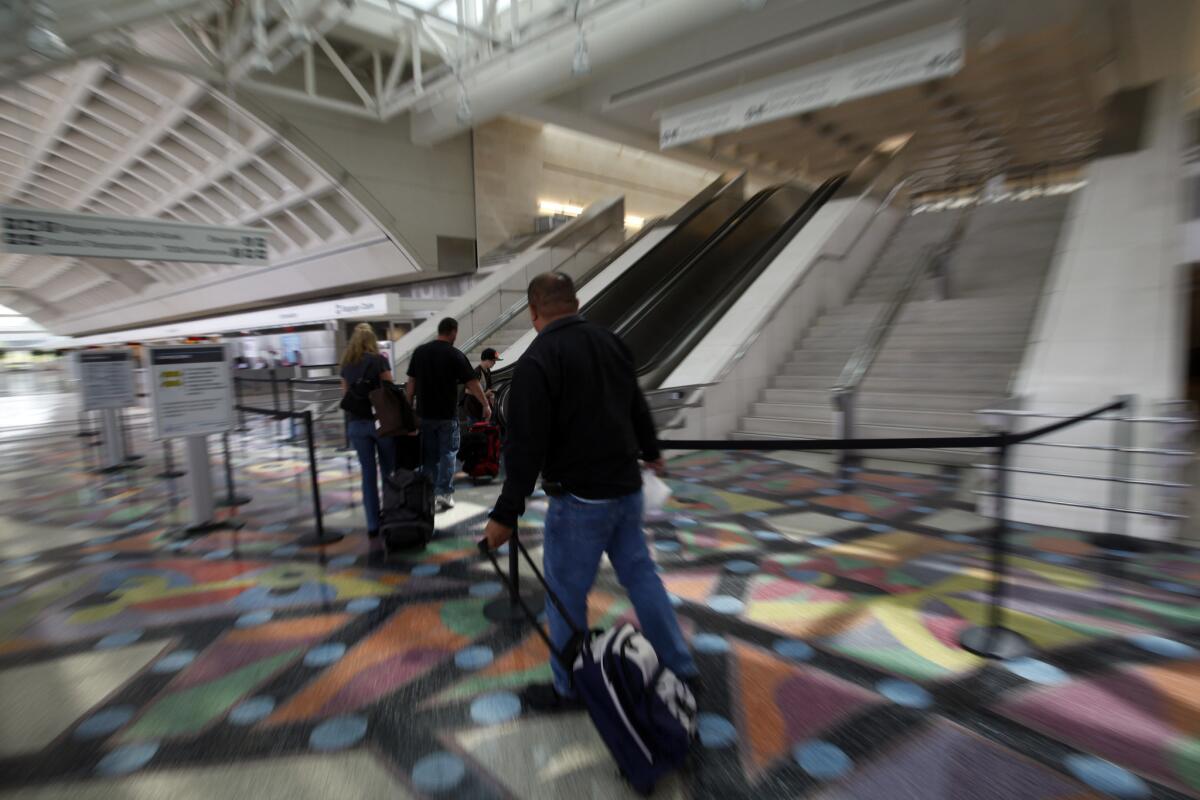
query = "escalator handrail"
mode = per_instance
[
  {"x": 674, "y": 350},
  {"x": 672, "y": 277}
]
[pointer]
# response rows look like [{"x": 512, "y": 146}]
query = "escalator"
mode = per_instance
[{"x": 663, "y": 305}]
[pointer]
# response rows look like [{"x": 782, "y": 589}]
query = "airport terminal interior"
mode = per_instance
[{"x": 910, "y": 288}]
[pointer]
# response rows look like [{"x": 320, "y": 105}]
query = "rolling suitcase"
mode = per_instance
[
  {"x": 406, "y": 511},
  {"x": 644, "y": 712},
  {"x": 481, "y": 451}
]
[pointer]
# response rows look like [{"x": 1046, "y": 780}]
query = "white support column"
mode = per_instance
[
  {"x": 114, "y": 439},
  {"x": 199, "y": 471}
]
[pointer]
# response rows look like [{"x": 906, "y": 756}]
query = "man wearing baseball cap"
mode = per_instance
[{"x": 483, "y": 373}]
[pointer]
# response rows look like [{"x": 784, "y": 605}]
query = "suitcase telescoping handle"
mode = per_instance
[{"x": 563, "y": 658}]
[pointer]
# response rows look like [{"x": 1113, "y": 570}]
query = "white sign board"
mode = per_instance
[
  {"x": 41, "y": 232},
  {"x": 106, "y": 379},
  {"x": 915, "y": 58},
  {"x": 191, "y": 390}
]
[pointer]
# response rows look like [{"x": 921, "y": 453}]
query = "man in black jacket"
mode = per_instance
[{"x": 577, "y": 416}]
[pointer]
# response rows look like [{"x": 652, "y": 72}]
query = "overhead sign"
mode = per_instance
[
  {"x": 903, "y": 61},
  {"x": 42, "y": 232},
  {"x": 371, "y": 306},
  {"x": 106, "y": 379},
  {"x": 191, "y": 390}
]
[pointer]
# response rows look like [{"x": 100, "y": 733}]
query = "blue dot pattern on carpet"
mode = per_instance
[
  {"x": 769, "y": 536},
  {"x": 361, "y": 605},
  {"x": 793, "y": 649},
  {"x": 1177, "y": 588},
  {"x": 476, "y": 657},
  {"x": 879, "y": 528},
  {"x": 853, "y": 516},
  {"x": 715, "y": 731},
  {"x": 757, "y": 514},
  {"x": 798, "y": 503},
  {"x": 684, "y": 522},
  {"x": 126, "y": 759},
  {"x": 341, "y": 562},
  {"x": 1056, "y": 558},
  {"x": 251, "y": 710},
  {"x": 173, "y": 662},
  {"x": 803, "y": 575},
  {"x": 215, "y": 555},
  {"x": 96, "y": 558},
  {"x": 1106, "y": 777},
  {"x": 962, "y": 538},
  {"x": 710, "y": 643},
  {"x": 492, "y": 709},
  {"x": 676, "y": 600},
  {"x": 740, "y": 567},
  {"x": 324, "y": 655},
  {"x": 486, "y": 589},
  {"x": 1031, "y": 669},
  {"x": 829, "y": 492},
  {"x": 338, "y": 733},
  {"x": 104, "y": 722},
  {"x": 286, "y": 551},
  {"x": 667, "y": 546},
  {"x": 726, "y": 604},
  {"x": 253, "y": 618},
  {"x": 824, "y": 761},
  {"x": 438, "y": 772},
  {"x": 924, "y": 510},
  {"x": 1162, "y": 646},
  {"x": 119, "y": 639},
  {"x": 822, "y": 541},
  {"x": 904, "y": 693},
  {"x": 425, "y": 570}
]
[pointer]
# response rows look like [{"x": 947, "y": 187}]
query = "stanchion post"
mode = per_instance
[
  {"x": 231, "y": 498},
  {"x": 994, "y": 640},
  {"x": 321, "y": 536},
  {"x": 169, "y": 470},
  {"x": 125, "y": 437},
  {"x": 291, "y": 394},
  {"x": 514, "y": 573},
  {"x": 1119, "y": 487},
  {"x": 237, "y": 392}
]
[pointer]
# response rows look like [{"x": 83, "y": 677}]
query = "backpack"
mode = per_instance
[{"x": 644, "y": 712}]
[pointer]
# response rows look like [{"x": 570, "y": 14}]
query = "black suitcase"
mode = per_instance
[{"x": 406, "y": 513}]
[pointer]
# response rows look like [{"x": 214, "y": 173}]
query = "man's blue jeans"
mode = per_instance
[
  {"x": 578, "y": 533},
  {"x": 366, "y": 443},
  {"x": 439, "y": 449}
]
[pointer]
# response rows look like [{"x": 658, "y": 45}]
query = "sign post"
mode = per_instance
[
  {"x": 191, "y": 391},
  {"x": 107, "y": 385}
]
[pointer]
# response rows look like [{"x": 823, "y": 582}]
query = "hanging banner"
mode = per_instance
[
  {"x": 42, "y": 232},
  {"x": 932, "y": 53},
  {"x": 106, "y": 379},
  {"x": 191, "y": 390}
]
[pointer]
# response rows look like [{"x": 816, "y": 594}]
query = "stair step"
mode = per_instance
[
  {"x": 905, "y": 369},
  {"x": 899, "y": 400},
  {"x": 901, "y": 417},
  {"x": 949, "y": 457},
  {"x": 825, "y": 429}
]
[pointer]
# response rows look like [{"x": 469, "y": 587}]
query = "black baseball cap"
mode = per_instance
[{"x": 490, "y": 354}]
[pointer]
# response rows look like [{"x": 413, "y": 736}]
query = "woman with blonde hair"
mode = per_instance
[{"x": 363, "y": 369}]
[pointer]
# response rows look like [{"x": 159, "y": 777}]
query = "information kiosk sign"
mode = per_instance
[
  {"x": 106, "y": 379},
  {"x": 191, "y": 389}
]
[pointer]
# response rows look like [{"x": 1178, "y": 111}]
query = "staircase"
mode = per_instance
[{"x": 943, "y": 359}]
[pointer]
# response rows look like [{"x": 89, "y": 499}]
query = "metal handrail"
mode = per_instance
[
  {"x": 1014, "y": 412},
  {"x": 514, "y": 310},
  {"x": 863, "y": 358}
]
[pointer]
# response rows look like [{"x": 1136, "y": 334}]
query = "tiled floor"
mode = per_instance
[{"x": 824, "y": 608}]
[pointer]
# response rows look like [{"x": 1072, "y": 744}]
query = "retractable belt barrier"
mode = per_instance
[{"x": 993, "y": 640}]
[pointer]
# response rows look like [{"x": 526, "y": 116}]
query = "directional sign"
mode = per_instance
[
  {"x": 106, "y": 379},
  {"x": 191, "y": 388},
  {"x": 42, "y": 232},
  {"x": 903, "y": 61}
]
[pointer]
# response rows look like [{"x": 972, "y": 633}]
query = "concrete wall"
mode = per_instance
[
  {"x": 519, "y": 162},
  {"x": 1113, "y": 322},
  {"x": 414, "y": 193}
]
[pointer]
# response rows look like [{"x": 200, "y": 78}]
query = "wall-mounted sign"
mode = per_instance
[
  {"x": 191, "y": 390},
  {"x": 903, "y": 61},
  {"x": 106, "y": 379},
  {"x": 42, "y": 232}
]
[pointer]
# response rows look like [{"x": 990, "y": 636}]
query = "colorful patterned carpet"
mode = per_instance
[{"x": 824, "y": 607}]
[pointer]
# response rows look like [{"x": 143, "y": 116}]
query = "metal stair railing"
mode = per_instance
[{"x": 844, "y": 394}]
